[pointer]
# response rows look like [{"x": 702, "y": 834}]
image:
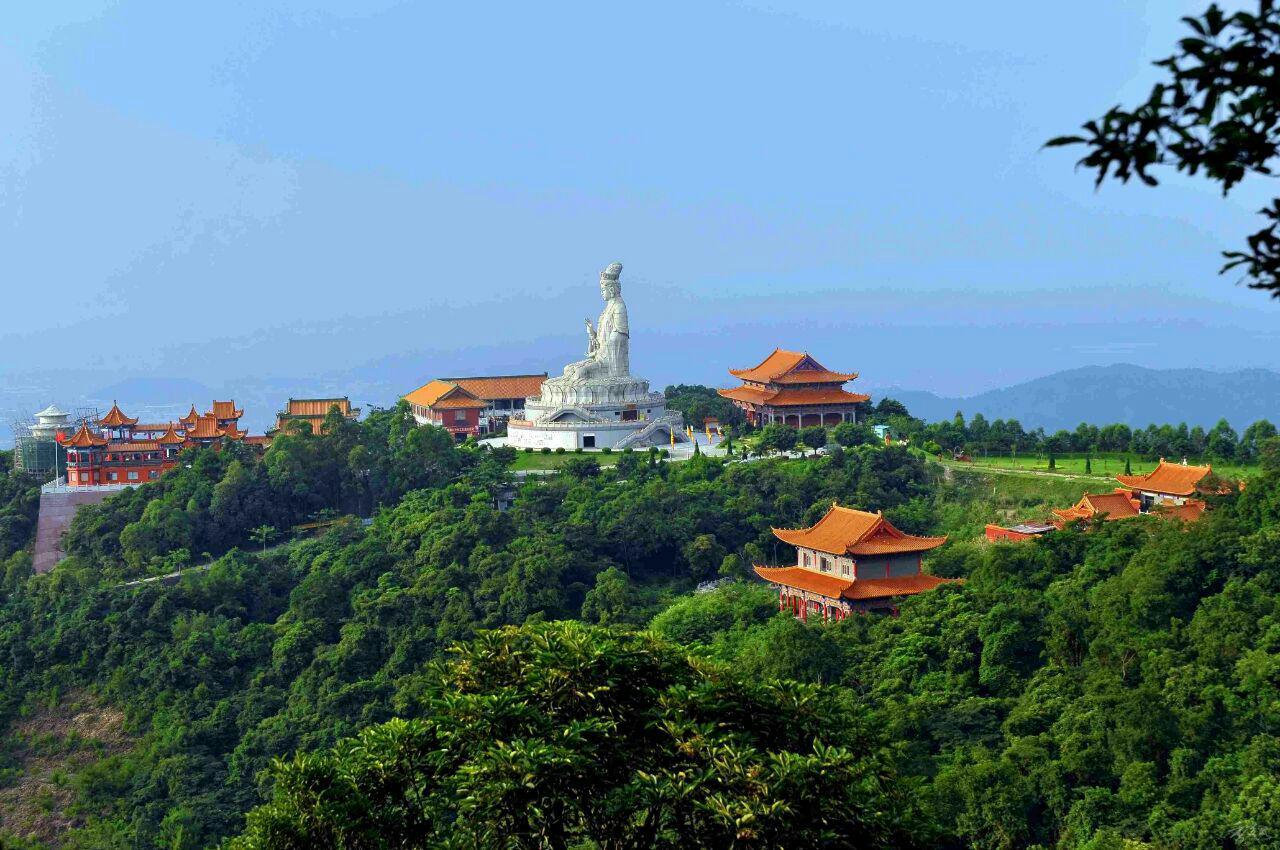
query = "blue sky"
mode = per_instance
[{"x": 295, "y": 189}]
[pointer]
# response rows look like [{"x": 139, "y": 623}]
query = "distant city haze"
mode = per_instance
[{"x": 274, "y": 199}]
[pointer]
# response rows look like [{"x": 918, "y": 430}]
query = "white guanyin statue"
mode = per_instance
[
  {"x": 604, "y": 376},
  {"x": 597, "y": 402},
  {"x": 609, "y": 341}
]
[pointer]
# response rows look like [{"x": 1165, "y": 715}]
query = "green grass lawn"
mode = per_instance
[
  {"x": 537, "y": 460},
  {"x": 975, "y": 496},
  {"x": 1106, "y": 465}
]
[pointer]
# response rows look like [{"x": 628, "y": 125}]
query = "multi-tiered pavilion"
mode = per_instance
[
  {"x": 791, "y": 388},
  {"x": 850, "y": 561},
  {"x": 119, "y": 450}
]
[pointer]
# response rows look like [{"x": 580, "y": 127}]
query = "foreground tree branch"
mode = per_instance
[{"x": 1216, "y": 114}]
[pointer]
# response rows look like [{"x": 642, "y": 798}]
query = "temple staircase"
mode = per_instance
[{"x": 648, "y": 435}]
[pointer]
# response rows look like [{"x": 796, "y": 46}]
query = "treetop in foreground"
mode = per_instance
[{"x": 563, "y": 735}]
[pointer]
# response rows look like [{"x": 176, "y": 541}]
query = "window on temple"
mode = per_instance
[
  {"x": 826, "y": 565},
  {"x": 133, "y": 476},
  {"x": 805, "y": 556},
  {"x": 113, "y": 476},
  {"x": 844, "y": 569}
]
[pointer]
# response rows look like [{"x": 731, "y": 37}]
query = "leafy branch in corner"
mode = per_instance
[{"x": 1217, "y": 113}]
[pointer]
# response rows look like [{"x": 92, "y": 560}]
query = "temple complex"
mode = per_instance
[
  {"x": 447, "y": 405},
  {"x": 118, "y": 450},
  {"x": 791, "y": 388},
  {"x": 850, "y": 561},
  {"x": 475, "y": 405},
  {"x": 1167, "y": 484},
  {"x": 1164, "y": 492},
  {"x": 597, "y": 403},
  {"x": 504, "y": 396},
  {"x": 313, "y": 411}
]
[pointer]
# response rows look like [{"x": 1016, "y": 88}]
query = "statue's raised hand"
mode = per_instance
[{"x": 593, "y": 341}]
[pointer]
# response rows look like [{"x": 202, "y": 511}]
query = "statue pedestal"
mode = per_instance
[{"x": 617, "y": 413}]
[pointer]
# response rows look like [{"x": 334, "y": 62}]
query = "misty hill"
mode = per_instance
[{"x": 1133, "y": 395}]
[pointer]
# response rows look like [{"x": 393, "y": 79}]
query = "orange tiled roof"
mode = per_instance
[
  {"x": 501, "y": 386},
  {"x": 225, "y": 410},
  {"x": 787, "y": 397},
  {"x": 190, "y": 418},
  {"x": 751, "y": 395},
  {"x": 1174, "y": 479},
  {"x": 790, "y": 397},
  {"x": 259, "y": 440},
  {"x": 206, "y": 428},
  {"x": 814, "y": 376},
  {"x": 135, "y": 446},
  {"x": 84, "y": 438},
  {"x": 778, "y": 363},
  {"x": 1117, "y": 505},
  {"x": 151, "y": 426},
  {"x": 458, "y": 402},
  {"x": 170, "y": 437},
  {"x": 847, "y": 531},
  {"x": 1189, "y": 511},
  {"x": 877, "y": 588},
  {"x": 318, "y": 406},
  {"x": 841, "y": 588},
  {"x": 430, "y": 395},
  {"x": 115, "y": 418},
  {"x": 791, "y": 367}
]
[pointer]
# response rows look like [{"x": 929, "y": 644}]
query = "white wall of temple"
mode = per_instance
[
  {"x": 538, "y": 438},
  {"x": 557, "y": 436},
  {"x": 825, "y": 562}
]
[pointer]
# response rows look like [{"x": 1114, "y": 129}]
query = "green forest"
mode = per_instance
[{"x": 446, "y": 674}]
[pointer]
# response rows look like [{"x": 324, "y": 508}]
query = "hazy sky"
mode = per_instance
[{"x": 295, "y": 188}]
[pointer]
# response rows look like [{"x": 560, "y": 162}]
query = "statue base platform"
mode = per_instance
[{"x": 638, "y": 423}]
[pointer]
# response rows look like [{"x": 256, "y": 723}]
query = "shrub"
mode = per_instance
[
  {"x": 528, "y": 450},
  {"x": 559, "y": 450},
  {"x": 578, "y": 450},
  {"x": 546, "y": 450},
  {"x": 607, "y": 450}
]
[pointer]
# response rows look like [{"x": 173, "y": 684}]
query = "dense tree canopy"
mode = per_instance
[
  {"x": 1102, "y": 685},
  {"x": 556, "y": 736}
]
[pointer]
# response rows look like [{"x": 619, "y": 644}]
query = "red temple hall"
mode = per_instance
[
  {"x": 791, "y": 388},
  {"x": 850, "y": 561},
  {"x": 119, "y": 450}
]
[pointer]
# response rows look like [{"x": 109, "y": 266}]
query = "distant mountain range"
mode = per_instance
[{"x": 1101, "y": 395}]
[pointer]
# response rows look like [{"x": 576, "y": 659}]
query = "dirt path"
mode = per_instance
[{"x": 951, "y": 466}]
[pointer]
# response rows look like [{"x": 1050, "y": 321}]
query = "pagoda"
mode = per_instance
[
  {"x": 791, "y": 388},
  {"x": 850, "y": 561}
]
